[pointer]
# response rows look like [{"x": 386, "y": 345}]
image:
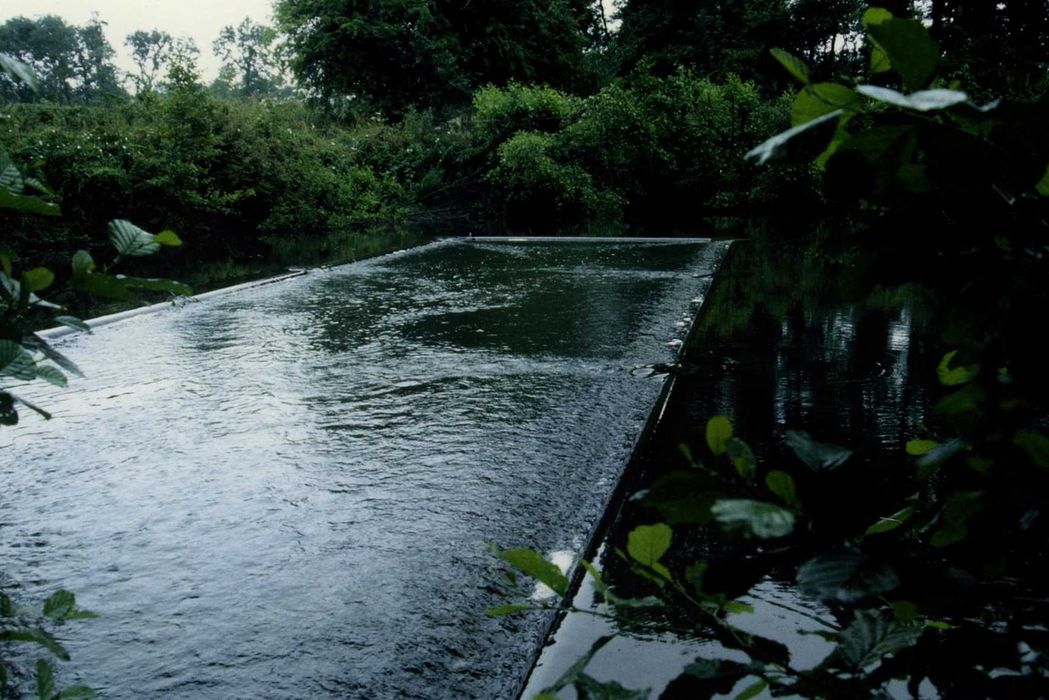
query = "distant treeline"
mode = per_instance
[{"x": 535, "y": 114}]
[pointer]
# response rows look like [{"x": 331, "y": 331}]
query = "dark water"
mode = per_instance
[
  {"x": 783, "y": 342},
  {"x": 286, "y": 492}
]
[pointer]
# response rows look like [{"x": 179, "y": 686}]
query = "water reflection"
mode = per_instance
[{"x": 782, "y": 343}]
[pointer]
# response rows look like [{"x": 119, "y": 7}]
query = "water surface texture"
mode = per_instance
[{"x": 286, "y": 492}]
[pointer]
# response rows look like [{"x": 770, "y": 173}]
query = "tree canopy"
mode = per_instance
[
  {"x": 396, "y": 55},
  {"x": 733, "y": 36},
  {"x": 73, "y": 64},
  {"x": 250, "y": 66}
]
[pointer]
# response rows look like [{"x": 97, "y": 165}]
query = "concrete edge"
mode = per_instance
[
  {"x": 620, "y": 493},
  {"x": 60, "y": 332}
]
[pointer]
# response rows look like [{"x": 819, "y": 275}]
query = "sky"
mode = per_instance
[{"x": 200, "y": 20}]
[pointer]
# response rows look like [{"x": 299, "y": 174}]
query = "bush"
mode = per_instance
[
  {"x": 499, "y": 113},
  {"x": 649, "y": 149},
  {"x": 536, "y": 186},
  {"x": 229, "y": 174}
]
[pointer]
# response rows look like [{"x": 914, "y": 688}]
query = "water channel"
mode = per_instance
[{"x": 286, "y": 491}]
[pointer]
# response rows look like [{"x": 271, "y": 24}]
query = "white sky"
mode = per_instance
[{"x": 200, "y": 20}]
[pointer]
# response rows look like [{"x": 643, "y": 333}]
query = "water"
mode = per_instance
[
  {"x": 286, "y": 492},
  {"x": 780, "y": 344}
]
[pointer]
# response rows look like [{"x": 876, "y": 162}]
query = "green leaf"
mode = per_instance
[
  {"x": 533, "y": 564},
  {"x": 753, "y": 518},
  {"x": 876, "y": 15},
  {"x": 742, "y": 458},
  {"x": 891, "y": 522},
  {"x": 59, "y": 604},
  {"x": 130, "y": 240},
  {"x": 648, "y": 543},
  {"x": 37, "y": 279},
  {"x": 155, "y": 285},
  {"x": 35, "y": 342},
  {"x": 504, "y": 610},
  {"x": 168, "y": 238},
  {"x": 599, "y": 581},
  {"x": 72, "y": 322},
  {"x": 39, "y": 637},
  {"x": 8, "y": 412},
  {"x": 32, "y": 407},
  {"x": 40, "y": 187},
  {"x": 871, "y": 637},
  {"x": 880, "y": 62},
  {"x": 782, "y": 484},
  {"x": 753, "y": 691},
  {"x": 100, "y": 284},
  {"x": 814, "y": 135},
  {"x": 683, "y": 497},
  {"x": 917, "y": 448},
  {"x": 818, "y": 456},
  {"x": 28, "y": 205},
  {"x": 76, "y": 691},
  {"x": 931, "y": 460},
  {"x": 19, "y": 71},
  {"x": 15, "y": 361},
  {"x": 10, "y": 178},
  {"x": 953, "y": 376},
  {"x": 961, "y": 507},
  {"x": 1035, "y": 445},
  {"x": 845, "y": 577},
  {"x": 719, "y": 430},
  {"x": 921, "y": 101},
  {"x": 794, "y": 65},
  {"x": 905, "y": 612},
  {"x": 822, "y": 98},
  {"x": 82, "y": 263},
  {"x": 1043, "y": 185},
  {"x": 45, "y": 680},
  {"x": 907, "y": 45},
  {"x": 51, "y": 375},
  {"x": 966, "y": 400}
]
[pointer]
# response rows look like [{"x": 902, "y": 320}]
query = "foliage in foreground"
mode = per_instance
[
  {"x": 26, "y": 356},
  {"x": 941, "y": 588}
]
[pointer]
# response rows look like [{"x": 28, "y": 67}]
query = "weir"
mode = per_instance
[{"x": 287, "y": 490}]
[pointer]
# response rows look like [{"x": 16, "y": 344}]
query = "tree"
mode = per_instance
[
  {"x": 151, "y": 52},
  {"x": 183, "y": 73},
  {"x": 733, "y": 36},
  {"x": 399, "y": 55},
  {"x": 1001, "y": 45},
  {"x": 74, "y": 64},
  {"x": 250, "y": 64}
]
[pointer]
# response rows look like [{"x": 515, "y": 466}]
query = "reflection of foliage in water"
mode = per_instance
[{"x": 931, "y": 574}]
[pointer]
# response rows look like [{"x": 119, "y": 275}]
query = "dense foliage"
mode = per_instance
[
  {"x": 930, "y": 575},
  {"x": 432, "y": 54},
  {"x": 678, "y": 138}
]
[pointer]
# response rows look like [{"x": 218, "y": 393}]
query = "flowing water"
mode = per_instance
[{"x": 286, "y": 491}]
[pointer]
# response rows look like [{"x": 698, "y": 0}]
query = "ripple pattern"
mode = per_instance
[{"x": 286, "y": 492}]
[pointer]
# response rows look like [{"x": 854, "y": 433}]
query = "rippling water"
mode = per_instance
[{"x": 286, "y": 492}]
